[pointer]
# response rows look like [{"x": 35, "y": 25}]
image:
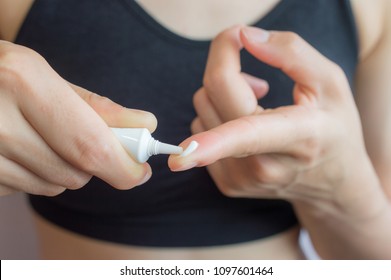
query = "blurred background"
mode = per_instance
[{"x": 18, "y": 239}]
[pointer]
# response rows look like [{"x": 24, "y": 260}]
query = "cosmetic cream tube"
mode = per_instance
[{"x": 139, "y": 143}]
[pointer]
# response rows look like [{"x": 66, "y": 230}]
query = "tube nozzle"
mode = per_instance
[
  {"x": 156, "y": 147},
  {"x": 139, "y": 143}
]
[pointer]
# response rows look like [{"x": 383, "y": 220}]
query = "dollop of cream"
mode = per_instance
[{"x": 190, "y": 149}]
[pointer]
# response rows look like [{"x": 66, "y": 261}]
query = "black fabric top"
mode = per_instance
[{"x": 113, "y": 47}]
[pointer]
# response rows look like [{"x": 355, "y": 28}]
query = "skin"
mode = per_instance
[{"x": 322, "y": 154}]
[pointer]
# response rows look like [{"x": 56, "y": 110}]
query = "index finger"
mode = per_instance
[
  {"x": 283, "y": 130},
  {"x": 228, "y": 90}
]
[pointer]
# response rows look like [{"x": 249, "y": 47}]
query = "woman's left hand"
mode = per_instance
[{"x": 311, "y": 151}]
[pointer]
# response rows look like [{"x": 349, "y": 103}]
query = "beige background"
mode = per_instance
[{"x": 17, "y": 235}]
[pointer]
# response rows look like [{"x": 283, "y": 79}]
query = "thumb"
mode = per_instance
[
  {"x": 291, "y": 54},
  {"x": 114, "y": 114}
]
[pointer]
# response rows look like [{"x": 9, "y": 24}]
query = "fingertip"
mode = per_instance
[
  {"x": 150, "y": 121},
  {"x": 147, "y": 176},
  {"x": 258, "y": 42},
  {"x": 261, "y": 89},
  {"x": 188, "y": 159},
  {"x": 259, "y": 86},
  {"x": 183, "y": 166},
  {"x": 139, "y": 118},
  {"x": 122, "y": 171},
  {"x": 185, "y": 160},
  {"x": 137, "y": 175},
  {"x": 190, "y": 149},
  {"x": 254, "y": 35},
  {"x": 199, "y": 150}
]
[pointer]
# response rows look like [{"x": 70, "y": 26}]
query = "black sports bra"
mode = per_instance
[{"x": 113, "y": 47}]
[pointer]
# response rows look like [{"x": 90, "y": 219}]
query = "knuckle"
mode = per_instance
[
  {"x": 139, "y": 177},
  {"x": 337, "y": 74},
  {"x": 311, "y": 129},
  {"x": 53, "y": 191},
  {"x": 92, "y": 153},
  {"x": 15, "y": 65},
  {"x": 228, "y": 192},
  {"x": 102, "y": 101},
  {"x": 16, "y": 57},
  {"x": 222, "y": 36},
  {"x": 196, "y": 126},
  {"x": 294, "y": 44},
  {"x": 199, "y": 98},
  {"x": 216, "y": 79},
  {"x": 11, "y": 76},
  {"x": 292, "y": 38},
  {"x": 264, "y": 173},
  {"x": 336, "y": 69},
  {"x": 6, "y": 138},
  {"x": 227, "y": 186},
  {"x": 228, "y": 34},
  {"x": 312, "y": 148},
  {"x": 6, "y": 190},
  {"x": 75, "y": 181},
  {"x": 8, "y": 53},
  {"x": 43, "y": 188}
]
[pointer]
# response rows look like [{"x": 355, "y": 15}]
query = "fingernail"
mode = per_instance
[{"x": 256, "y": 35}]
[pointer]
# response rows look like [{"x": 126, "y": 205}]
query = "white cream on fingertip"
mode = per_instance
[{"x": 190, "y": 149}]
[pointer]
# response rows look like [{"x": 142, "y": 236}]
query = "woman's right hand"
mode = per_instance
[{"x": 55, "y": 135}]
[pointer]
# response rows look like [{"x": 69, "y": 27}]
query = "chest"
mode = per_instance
[{"x": 204, "y": 19}]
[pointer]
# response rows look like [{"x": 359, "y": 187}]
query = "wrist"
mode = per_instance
[
  {"x": 340, "y": 236},
  {"x": 358, "y": 196},
  {"x": 361, "y": 195}
]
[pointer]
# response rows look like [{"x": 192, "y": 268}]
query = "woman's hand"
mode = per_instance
[
  {"x": 54, "y": 135},
  {"x": 312, "y": 151}
]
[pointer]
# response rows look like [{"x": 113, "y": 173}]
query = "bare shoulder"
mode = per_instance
[
  {"x": 370, "y": 16},
  {"x": 12, "y": 14}
]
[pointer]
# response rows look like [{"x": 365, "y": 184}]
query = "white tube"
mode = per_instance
[{"x": 139, "y": 143}]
